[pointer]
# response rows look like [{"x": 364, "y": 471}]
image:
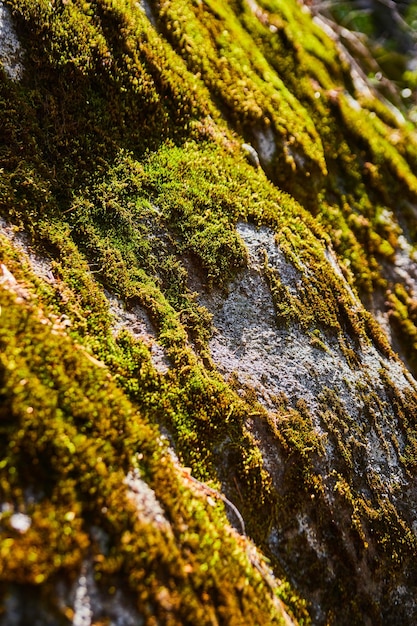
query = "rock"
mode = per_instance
[{"x": 251, "y": 154}]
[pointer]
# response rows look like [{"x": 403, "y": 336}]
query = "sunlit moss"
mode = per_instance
[
  {"x": 69, "y": 435},
  {"x": 122, "y": 161}
]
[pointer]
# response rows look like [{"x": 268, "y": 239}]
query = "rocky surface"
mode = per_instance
[
  {"x": 208, "y": 325},
  {"x": 279, "y": 361},
  {"x": 11, "y": 53}
]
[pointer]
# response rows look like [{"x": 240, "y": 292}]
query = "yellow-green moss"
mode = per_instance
[
  {"x": 121, "y": 158},
  {"x": 69, "y": 436}
]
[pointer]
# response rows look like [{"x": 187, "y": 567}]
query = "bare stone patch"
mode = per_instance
[
  {"x": 92, "y": 605},
  {"x": 144, "y": 499},
  {"x": 249, "y": 342},
  {"x": 137, "y": 322},
  {"x": 11, "y": 54},
  {"x": 147, "y": 9},
  {"x": 265, "y": 143},
  {"x": 41, "y": 266}
]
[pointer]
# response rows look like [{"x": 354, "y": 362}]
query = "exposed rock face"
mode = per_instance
[
  {"x": 208, "y": 319},
  {"x": 356, "y": 432},
  {"x": 10, "y": 50}
]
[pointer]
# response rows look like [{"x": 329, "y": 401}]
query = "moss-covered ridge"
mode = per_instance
[
  {"x": 69, "y": 439},
  {"x": 122, "y": 162}
]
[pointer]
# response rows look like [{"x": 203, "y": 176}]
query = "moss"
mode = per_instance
[
  {"x": 70, "y": 435},
  {"x": 402, "y": 315},
  {"x": 122, "y": 162},
  {"x": 296, "y": 432}
]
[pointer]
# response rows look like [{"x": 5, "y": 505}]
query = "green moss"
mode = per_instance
[
  {"x": 121, "y": 159},
  {"x": 294, "y": 429},
  {"x": 70, "y": 436},
  {"x": 402, "y": 315}
]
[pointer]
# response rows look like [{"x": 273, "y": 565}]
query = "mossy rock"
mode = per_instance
[{"x": 279, "y": 290}]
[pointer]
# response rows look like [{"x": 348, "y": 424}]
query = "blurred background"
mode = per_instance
[{"x": 382, "y": 36}]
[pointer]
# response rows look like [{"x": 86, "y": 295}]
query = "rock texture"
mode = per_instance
[{"x": 208, "y": 316}]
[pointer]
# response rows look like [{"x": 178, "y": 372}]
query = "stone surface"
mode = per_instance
[{"x": 11, "y": 53}]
